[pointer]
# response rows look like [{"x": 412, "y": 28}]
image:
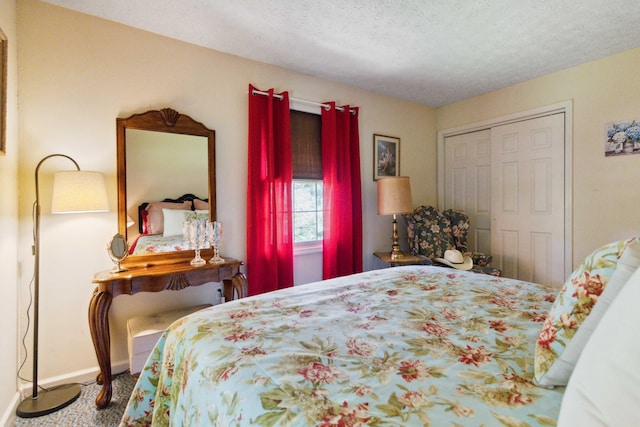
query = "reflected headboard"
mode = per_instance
[{"x": 184, "y": 198}]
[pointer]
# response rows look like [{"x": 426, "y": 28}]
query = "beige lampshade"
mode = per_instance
[
  {"x": 394, "y": 195},
  {"x": 79, "y": 191}
]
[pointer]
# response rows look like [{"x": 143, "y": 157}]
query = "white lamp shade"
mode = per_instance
[
  {"x": 394, "y": 195},
  {"x": 79, "y": 191}
]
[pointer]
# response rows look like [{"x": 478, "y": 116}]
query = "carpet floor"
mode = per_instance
[{"x": 83, "y": 412}]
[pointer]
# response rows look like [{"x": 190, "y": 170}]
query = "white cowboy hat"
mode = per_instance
[{"x": 454, "y": 258}]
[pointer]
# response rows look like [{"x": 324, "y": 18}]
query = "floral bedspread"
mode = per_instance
[
  {"x": 154, "y": 243},
  {"x": 404, "y": 346}
]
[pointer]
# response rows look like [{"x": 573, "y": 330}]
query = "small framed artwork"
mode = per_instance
[
  {"x": 622, "y": 137},
  {"x": 386, "y": 156}
]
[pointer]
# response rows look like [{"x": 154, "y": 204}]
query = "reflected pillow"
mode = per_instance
[
  {"x": 573, "y": 315},
  {"x": 604, "y": 389},
  {"x": 174, "y": 221},
  {"x": 155, "y": 218},
  {"x": 200, "y": 204},
  {"x": 144, "y": 215}
]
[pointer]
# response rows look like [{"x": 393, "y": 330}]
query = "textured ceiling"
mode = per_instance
[{"x": 433, "y": 52}]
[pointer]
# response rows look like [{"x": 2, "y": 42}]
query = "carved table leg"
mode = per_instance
[
  {"x": 237, "y": 283},
  {"x": 99, "y": 327}
]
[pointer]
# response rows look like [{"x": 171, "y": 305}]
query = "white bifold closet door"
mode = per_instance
[
  {"x": 510, "y": 181},
  {"x": 528, "y": 202},
  {"x": 468, "y": 184}
]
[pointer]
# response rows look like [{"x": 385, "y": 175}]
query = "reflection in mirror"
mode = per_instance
[
  {"x": 118, "y": 251},
  {"x": 162, "y": 154},
  {"x": 152, "y": 176}
]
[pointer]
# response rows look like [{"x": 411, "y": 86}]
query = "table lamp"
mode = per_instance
[{"x": 394, "y": 197}]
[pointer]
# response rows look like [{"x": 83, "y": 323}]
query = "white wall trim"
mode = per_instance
[
  {"x": 306, "y": 248},
  {"x": 304, "y": 107},
  {"x": 9, "y": 416},
  {"x": 561, "y": 107},
  {"x": 82, "y": 376}
]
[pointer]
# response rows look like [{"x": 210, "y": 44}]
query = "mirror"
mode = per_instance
[
  {"x": 162, "y": 154},
  {"x": 118, "y": 251}
]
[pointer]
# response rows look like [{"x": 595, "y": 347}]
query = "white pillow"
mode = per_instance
[
  {"x": 604, "y": 389},
  {"x": 173, "y": 221}
]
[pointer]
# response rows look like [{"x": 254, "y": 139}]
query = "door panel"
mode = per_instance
[
  {"x": 468, "y": 184},
  {"x": 528, "y": 206}
]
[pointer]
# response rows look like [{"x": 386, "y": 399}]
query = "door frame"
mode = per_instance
[{"x": 565, "y": 107}]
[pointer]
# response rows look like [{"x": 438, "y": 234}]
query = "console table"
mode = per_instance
[{"x": 153, "y": 278}]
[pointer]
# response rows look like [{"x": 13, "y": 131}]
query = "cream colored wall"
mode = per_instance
[
  {"x": 605, "y": 199},
  {"x": 78, "y": 73},
  {"x": 9, "y": 224}
]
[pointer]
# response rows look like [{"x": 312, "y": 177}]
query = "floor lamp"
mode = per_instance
[
  {"x": 394, "y": 197},
  {"x": 73, "y": 192}
]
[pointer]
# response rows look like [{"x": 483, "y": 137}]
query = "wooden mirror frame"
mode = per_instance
[{"x": 168, "y": 121}]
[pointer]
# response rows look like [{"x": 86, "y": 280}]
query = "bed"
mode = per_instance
[
  {"x": 408, "y": 346},
  {"x": 415, "y": 345},
  {"x": 160, "y": 224}
]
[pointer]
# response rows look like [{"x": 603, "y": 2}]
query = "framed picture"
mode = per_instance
[
  {"x": 622, "y": 137},
  {"x": 386, "y": 156}
]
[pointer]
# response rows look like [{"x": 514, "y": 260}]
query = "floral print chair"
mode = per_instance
[{"x": 431, "y": 232}]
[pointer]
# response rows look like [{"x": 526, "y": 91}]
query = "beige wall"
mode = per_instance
[
  {"x": 605, "y": 199},
  {"x": 9, "y": 224},
  {"x": 78, "y": 73}
]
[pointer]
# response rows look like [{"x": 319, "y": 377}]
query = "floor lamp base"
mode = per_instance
[{"x": 48, "y": 401}]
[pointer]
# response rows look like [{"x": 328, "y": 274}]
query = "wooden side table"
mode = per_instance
[
  {"x": 407, "y": 259},
  {"x": 154, "y": 278}
]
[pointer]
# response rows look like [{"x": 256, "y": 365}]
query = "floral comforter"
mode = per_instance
[
  {"x": 154, "y": 243},
  {"x": 404, "y": 346}
]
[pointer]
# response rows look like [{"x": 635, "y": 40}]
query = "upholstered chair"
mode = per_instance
[{"x": 431, "y": 232}]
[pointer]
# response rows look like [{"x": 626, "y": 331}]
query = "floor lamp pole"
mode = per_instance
[{"x": 46, "y": 401}]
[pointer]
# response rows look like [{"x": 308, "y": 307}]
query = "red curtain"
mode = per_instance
[
  {"x": 269, "y": 206},
  {"x": 342, "y": 235}
]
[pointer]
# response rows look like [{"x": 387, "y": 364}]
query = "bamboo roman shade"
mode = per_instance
[{"x": 306, "y": 145}]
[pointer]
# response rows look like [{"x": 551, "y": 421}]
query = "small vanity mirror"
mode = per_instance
[{"x": 118, "y": 251}]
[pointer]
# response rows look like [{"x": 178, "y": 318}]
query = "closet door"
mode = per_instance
[
  {"x": 468, "y": 184},
  {"x": 527, "y": 204}
]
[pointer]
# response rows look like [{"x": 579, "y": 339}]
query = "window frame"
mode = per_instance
[
  {"x": 314, "y": 246},
  {"x": 315, "y": 211}
]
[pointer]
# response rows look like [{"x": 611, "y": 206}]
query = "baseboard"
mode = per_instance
[
  {"x": 83, "y": 377},
  {"x": 9, "y": 416}
]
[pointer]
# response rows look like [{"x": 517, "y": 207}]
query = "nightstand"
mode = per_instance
[{"x": 407, "y": 259}]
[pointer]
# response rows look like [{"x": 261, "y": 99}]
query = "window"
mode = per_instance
[
  {"x": 306, "y": 146},
  {"x": 307, "y": 210}
]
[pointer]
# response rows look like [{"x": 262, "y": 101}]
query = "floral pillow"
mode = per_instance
[
  {"x": 603, "y": 390},
  {"x": 561, "y": 341}
]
